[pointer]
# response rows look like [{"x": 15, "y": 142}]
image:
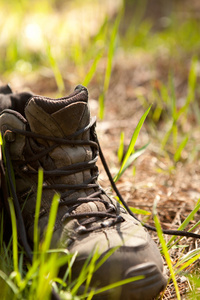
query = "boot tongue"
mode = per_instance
[
  {"x": 58, "y": 117},
  {"x": 61, "y": 118}
]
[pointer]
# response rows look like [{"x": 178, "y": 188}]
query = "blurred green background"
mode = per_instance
[
  {"x": 139, "y": 52},
  {"x": 66, "y": 39}
]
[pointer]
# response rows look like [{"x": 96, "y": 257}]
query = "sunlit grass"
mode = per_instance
[
  {"x": 184, "y": 261},
  {"x": 37, "y": 279},
  {"x": 165, "y": 251},
  {"x": 26, "y": 30},
  {"x": 131, "y": 154},
  {"x": 110, "y": 56},
  {"x": 166, "y": 110}
]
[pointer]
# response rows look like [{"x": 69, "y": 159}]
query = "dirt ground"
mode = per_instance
[{"x": 156, "y": 177}]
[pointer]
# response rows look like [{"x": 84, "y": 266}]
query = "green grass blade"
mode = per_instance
[
  {"x": 173, "y": 97},
  {"x": 84, "y": 272},
  {"x": 164, "y": 94},
  {"x": 195, "y": 226},
  {"x": 179, "y": 239},
  {"x": 37, "y": 212},
  {"x": 188, "y": 263},
  {"x": 105, "y": 257},
  {"x": 92, "y": 264},
  {"x": 111, "y": 50},
  {"x": 91, "y": 269},
  {"x": 188, "y": 256},
  {"x": 182, "y": 145},
  {"x": 185, "y": 222},
  {"x": 115, "y": 285},
  {"x": 68, "y": 273},
  {"x": 51, "y": 222},
  {"x": 130, "y": 160},
  {"x": 101, "y": 105},
  {"x": 132, "y": 144},
  {"x": 192, "y": 80},
  {"x": 120, "y": 151},
  {"x": 48, "y": 266},
  {"x": 140, "y": 211},
  {"x": 101, "y": 34},
  {"x": 196, "y": 111},
  {"x": 165, "y": 250},
  {"x": 9, "y": 282},
  {"x": 166, "y": 136},
  {"x": 92, "y": 69},
  {"x": 55, "y": 69},
  {"x": 15, "y": 240}
]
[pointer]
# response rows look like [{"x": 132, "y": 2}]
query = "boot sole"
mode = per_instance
[{"x": 150, "y": 286}]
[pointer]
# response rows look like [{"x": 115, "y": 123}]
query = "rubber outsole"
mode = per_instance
[{"x": 147, "y": 288}]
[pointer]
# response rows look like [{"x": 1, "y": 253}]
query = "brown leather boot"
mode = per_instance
[{"x": 59, "y": 136}]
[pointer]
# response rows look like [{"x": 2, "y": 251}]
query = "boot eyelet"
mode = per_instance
[
  {"x": 119, "y": 219},
  {"x": 112, "y": 206},
  {"x": 122, "y": 209},
  {"x": 106, "y": 223},
  {"x": 9, "y": 136},
  {"x": 81, "y": 229},
  {"x": 65, "y": 217}
]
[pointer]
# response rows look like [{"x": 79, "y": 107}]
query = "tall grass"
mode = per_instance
[
  {"x": 56, "y": 70},
  {"x": 36, "y": 280},
  {"x": 165, "y": 251},
  {"x": 131, "y": 154},
  {"x": 182, "y": 112},
  {"x": 110, "y": 56},
  {"x": 185, "y": 262}
]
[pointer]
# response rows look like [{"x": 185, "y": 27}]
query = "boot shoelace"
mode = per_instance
[
  {"x": 110, "y": 212},
  {"x": 110, "y": 215}
]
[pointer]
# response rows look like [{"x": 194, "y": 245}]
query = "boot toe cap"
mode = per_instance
[{"x": 133, "y": 254}]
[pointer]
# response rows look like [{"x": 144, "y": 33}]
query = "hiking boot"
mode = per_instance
[{"x": 58, "y": 135}]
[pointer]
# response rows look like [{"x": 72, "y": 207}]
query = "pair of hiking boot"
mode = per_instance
[{"x": 58, "y": 135}]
